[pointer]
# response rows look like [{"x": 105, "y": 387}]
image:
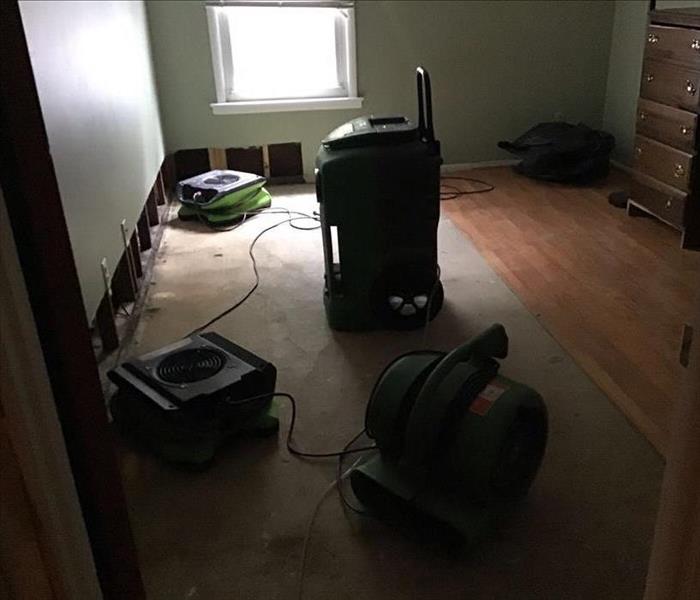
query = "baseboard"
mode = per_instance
[
  {"x": 622, "y": 166},
  {"x": 454, "y": 167}
]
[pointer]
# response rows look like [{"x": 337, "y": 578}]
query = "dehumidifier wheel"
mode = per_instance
[
  {"x": 409, "y": 310},
  {"x": 405, "y": 305}
]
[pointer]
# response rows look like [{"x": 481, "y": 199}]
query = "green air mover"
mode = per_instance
[
  {"x": 221, "y": 198},
  {"x": 378, "y": 185},
  {"x": 455, "y": 438},
  {"x": 185, "y": 400}
]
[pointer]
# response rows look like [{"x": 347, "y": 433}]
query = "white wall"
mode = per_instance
[{"x": 92, "y": 66}]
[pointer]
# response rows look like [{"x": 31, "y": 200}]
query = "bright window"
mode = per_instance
[{"x": 283, "y": 55}]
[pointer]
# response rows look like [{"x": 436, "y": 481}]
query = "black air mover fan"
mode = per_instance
[
  {"x": 455, "y": 438},
  {"x": 186, "y": 399}
]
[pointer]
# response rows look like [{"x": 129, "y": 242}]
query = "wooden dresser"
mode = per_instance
[{"x": 667, "y": 179}]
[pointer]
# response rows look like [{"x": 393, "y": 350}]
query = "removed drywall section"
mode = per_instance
[
  {"x": 497, "y": 69},
  {"x": 625, "y": 69},
  {"x": 93, "y": 71}
]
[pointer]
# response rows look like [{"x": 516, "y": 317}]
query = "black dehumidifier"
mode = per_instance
[
  {"x": 184, "y": 400},
  {"x": 378, "y": 185},
  {"x": 456, "y": 439}
]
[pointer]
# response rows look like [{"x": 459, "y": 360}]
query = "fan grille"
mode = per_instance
[
  {"x": 224, "y": 179},
  {"x": 191, "y": 365}
]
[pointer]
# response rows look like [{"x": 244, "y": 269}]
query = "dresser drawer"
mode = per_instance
[
  {"x": 668, "y": 205},
  {"x": 670, "y": 84},
  {"x": 673, "y": 126},
  {"x": 676, "y": 44},
  {"x": 664, "y": 163}
]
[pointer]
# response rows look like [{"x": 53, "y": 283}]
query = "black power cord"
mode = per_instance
[
  {"x": 299, "y": 216},
  {"x": 455, "y": 192},
  {"x": 292, "y": 450}
]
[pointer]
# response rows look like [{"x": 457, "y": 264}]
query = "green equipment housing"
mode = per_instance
[
  {"x": 378, "y": 186},
  {"x": 456, "y": 440},
  {"x": 187, "y": 399},
  {"x": 222, "y": 197}
]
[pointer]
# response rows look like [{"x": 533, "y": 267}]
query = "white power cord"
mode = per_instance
[{"x": 312, "y": 519}]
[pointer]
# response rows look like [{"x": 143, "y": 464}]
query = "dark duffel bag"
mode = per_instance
[{"x": 562, "y": 152}]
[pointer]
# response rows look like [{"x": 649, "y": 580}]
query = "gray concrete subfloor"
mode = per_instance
[{"x": 236, "y": 530}]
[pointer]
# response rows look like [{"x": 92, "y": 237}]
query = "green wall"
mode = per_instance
[
  {"x": 497, "y": 67},
  {"x": 93, "y": 72},
  {"x": 625, "y": 69}
]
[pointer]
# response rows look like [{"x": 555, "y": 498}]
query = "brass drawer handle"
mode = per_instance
[
  {"x": 652, "y": 38},
  {"x": 685, "y": 130},
  {"x": 642, "y": 116},
  {"x": 638, "y": 150},
  {"x": 690, "y": 87},
  {"x": 678, "y": 171},
  {"x": 649, "y": 77},
  {"x": 695, "y": 45},
  {"x": 669, "y": 204}
]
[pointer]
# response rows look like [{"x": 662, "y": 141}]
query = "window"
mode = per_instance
[{"x": 271, "y": 56}]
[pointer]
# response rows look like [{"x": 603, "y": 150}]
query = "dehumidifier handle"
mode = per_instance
[
  {"x": 426, "y": 416},
  {"x": 425, "y": 105}
]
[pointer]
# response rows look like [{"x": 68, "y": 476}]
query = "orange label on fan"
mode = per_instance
[{"x": 483, "y": 402}]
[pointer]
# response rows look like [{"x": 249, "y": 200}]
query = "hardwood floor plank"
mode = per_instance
[{"x": 613, "y": 290}]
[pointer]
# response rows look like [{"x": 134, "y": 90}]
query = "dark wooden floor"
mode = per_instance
[{"x": 613, "y": 290}]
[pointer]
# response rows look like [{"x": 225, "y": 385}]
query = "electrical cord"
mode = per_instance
[
  {"x": 454, "y": 192},
  {"x": 338, "y": 480},
  {"x": 299, "y": 216},
  {"x": 309, "y": 528},
  {"x": 292, "y": 423},
  {"x": 292, "y": 450}
]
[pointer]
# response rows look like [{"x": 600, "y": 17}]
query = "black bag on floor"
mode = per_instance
[{"x": 562, "y": 152}]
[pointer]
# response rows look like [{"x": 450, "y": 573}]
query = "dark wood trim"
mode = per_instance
[
  {"x": 152, "y": 209},
  {"x": 159, "y": 191},
  {"x": 285, "y": 163},
  {"x": 167, "y": 171},
  {"x": 248, "y": 159},
  {"x": 122, "y": 284},
  {"x": 106, "y": 324},
  {"x": 678, "y": 17},
  {"x": 144, "y": 231},
  {"x": 191, "y": 162},
  {"x": 26, "y": 175}
]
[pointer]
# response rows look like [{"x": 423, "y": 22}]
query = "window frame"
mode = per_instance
[{"x": 228, "y": 102}]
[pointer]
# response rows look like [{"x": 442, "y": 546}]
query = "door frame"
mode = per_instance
[{"x": 36, "y": 217}]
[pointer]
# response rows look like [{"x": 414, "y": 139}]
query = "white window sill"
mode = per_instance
[{"x": 268, "y": 106}]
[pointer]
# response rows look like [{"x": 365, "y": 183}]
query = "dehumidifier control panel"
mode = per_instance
[{"x": 371, "y": 131}]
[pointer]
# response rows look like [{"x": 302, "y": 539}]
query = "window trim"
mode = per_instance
[{"x": 219, "y": 40}]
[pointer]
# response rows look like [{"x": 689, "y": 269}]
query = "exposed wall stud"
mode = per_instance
[
  {"x": 161, "y": 186},
  {"x": 135, "y": 250},
  {"x": 266, "y": 161},
  {"x": 217, "y": 158},
  {"x": 127, "y": 254}
]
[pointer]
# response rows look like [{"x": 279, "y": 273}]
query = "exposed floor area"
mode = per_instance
[
  {"x": 237, "y": 529},
  {"x": 613, "y": 290}
]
